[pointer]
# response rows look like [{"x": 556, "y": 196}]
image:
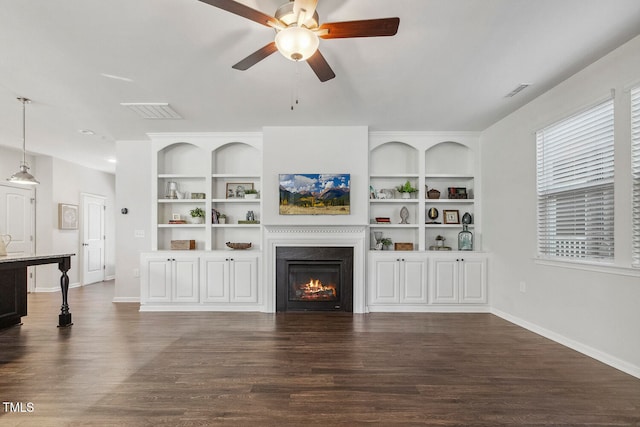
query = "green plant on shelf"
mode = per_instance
[
  {"x": 251, "y": 191},
  {"x": 197, "y": 213},
  {"x": 407, "y": 187}
]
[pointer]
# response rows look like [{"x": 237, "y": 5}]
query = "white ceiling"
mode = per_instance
[{"x": 448, "y": 68}]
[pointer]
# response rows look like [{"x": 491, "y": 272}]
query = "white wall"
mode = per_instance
[
  {"x": 595, "y": 311},
  {"x": 310, "y": 149},
  {"x": 133, "y": 190},
  {"x": 64, "y": 182}
]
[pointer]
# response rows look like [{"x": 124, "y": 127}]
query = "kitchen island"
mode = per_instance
[{"x": 13, "y": 286}]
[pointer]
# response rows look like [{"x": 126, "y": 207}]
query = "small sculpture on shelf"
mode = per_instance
[
  {"x": 439, "y": 246},
  {"x": 404, "y": 215},
  {"x": 467, "y": 218},
  {"x": 432, "y": 214}
]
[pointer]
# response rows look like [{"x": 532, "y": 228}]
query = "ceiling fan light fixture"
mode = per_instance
[{"x": 297, "y": 43}]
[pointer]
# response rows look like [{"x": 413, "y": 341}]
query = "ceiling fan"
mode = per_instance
[{"x": 297, "y": 31}]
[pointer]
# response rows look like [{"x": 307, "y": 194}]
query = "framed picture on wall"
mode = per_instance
[{"x": 67, "y": 216}]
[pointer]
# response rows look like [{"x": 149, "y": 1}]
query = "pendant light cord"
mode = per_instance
[{"x": 24, "y": 129}]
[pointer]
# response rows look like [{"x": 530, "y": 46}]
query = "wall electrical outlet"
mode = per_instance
[
  {"x": 136, "y": 272},
  {"x": 138, "y": 233},
  {"x": 523, "y": 286}
]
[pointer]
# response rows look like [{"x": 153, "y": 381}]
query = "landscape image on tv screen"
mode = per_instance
[{"x": 314, "y": 194}]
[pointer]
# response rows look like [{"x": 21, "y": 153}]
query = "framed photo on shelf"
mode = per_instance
[
  {"x": 451, "y": 216},
  {"x": 235, "y": 190}
]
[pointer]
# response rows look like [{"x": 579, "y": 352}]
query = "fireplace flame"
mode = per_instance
[{"x": 315, "y": 290}]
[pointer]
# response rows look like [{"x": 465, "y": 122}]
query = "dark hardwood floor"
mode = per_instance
[{"x": 118, "y": 367}]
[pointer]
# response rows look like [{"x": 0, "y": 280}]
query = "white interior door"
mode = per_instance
[
  {"x": 92, "y": 219},
  {"x": 17, "y": 213}
]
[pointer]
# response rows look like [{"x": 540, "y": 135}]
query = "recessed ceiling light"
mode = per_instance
[
  {"x": 86, "y": 132},
  {"x": 112, "y": 160}
]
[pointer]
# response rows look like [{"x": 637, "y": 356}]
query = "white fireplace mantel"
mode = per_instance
[{"x": 346, "y": 236}]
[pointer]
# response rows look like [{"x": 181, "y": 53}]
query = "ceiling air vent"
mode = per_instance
[
  {"x": 153, "y": 110},
  {"x": 517, "y": 90}
]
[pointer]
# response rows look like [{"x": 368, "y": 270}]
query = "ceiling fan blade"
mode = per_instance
[
  {"x": 308, "y": 7},
  {"x": 364, "y": 28},
  {"x": 256, "y": 57},
  {"x": 244, "y": 11},
  {"x": 321, "y": 67}
]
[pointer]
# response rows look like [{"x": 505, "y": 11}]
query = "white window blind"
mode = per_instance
[
  {"x": 635, "y": 171},
  {"x": 575, "y": 186}
]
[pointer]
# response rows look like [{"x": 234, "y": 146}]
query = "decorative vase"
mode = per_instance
[
  {"x": 197, "y": 220},
  {"x": 467, "y": 218},
  {"x": 406, "y": 195},
  {"x": 465, "y": 239}
]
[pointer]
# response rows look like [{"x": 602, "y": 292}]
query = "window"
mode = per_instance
[
  {"x": 635, "y": 171},
  {"x": 575, "y": 186}
]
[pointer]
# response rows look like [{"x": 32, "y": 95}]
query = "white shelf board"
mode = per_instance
[
  {"x": 181, "y": 200},
  {"x": 235, "y": 200},
  {"x": 179, "y": 176}
]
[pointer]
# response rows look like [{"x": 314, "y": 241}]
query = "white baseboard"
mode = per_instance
[
  {"x": 601, "y": 356},
  {"x": 197, "y": 307},
  {"x": 126, "y": 299},
  {"x": 417, "y": 308},
  {"x": 55, "y": 288}
]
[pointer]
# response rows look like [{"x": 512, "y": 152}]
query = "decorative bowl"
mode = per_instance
[
  {"x": 433, "y": 194},
  {"x": 238, "y": 245}
]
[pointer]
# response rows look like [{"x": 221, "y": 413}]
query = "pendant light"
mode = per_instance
[{"x": 23, "y": 176}]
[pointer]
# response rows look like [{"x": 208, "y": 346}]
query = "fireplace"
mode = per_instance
[{"x": 314, "y": 278}]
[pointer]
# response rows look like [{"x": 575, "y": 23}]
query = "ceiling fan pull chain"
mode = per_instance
[{"x": 296, "y": 84}]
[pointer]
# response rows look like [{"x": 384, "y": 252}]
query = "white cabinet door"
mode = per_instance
[
  {"x": 459, "y": 279},
  {"x": 230, "y": 279},
  {"x": 185, "y": 278},
  {"x": 244, "y": 279},
  {"x": 445, "y": 283},
  {"x": 155, "y": 277},
  {"x": 385, "y": 272},
  {"x": 398, "y": 278},
  {"x": 413, "y": 280},
  {"x": 215, "y": 279},
  {"x": 167, "y": 277},
  {"x": 473, "y": 281}
]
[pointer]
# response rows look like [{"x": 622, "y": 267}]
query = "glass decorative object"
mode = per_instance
[{"x": 465, "y": 239}]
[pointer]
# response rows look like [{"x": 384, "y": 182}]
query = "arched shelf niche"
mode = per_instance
[
  {"x": 182, "y": 158},
  {"x": 236, "y": 158},
  {"x": 393, "y": 158},
  {"x": 449, "y": 158}
]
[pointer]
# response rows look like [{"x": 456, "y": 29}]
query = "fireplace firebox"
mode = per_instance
[{"x": 314, "y": 278}]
